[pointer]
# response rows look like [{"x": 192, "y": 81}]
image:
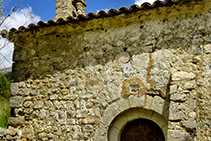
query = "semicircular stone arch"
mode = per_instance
[{"x": 123, "y": 111}]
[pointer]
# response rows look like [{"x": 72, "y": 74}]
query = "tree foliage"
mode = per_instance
[
  {"x": 4, "y": 113},
  {"x": 5, "y": 83}
]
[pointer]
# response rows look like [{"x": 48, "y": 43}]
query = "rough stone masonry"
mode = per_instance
[
  {"x": 69, "y": 8},
  {"x": 84, "y": 79}
]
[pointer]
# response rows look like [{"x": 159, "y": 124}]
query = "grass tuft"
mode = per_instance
[
  {"x": 4, "y": 113},
  {"x": 5, "y": 83}
]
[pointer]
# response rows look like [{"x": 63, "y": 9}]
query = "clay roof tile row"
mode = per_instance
[{"x": 100, "y": 14}]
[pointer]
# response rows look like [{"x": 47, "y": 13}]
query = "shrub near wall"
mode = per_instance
[
  {"x": 4, "y": 113},
  {"x": 4, "y": 100}
]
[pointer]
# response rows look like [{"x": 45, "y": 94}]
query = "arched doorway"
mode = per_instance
[
  {"x": 141, "y": 119},
  {"x": 119, "y": 114},
  {"x": 142, "y": 130}
]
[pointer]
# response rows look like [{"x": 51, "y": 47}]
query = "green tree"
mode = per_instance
[
  {"x": 5, "y": 83},
  {"x": 4, "y": 113}
]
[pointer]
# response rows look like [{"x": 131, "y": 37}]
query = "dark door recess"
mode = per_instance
[{"x": 142, "y": 130}]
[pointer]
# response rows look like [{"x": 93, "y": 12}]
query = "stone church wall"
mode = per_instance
[{"x": 74, "y": 81}]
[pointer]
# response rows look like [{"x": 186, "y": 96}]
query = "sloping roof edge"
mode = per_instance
[{"x": 100, "y": 14}]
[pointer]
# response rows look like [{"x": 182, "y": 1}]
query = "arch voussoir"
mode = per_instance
[{"x": 118, "y": 114}]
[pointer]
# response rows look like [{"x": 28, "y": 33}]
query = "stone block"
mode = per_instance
[
  {"x": 42, "y": 114},
  {"x": 34, "y": 92},
  {"x": 196, "y": 49},
  {"x": 2, "y": 131},
  {"x": 148, "y": 102},
  {"x": 190, "y": 85},
  {"x": 178, "y": 97},
  {"x": 60, "y": 113},
  {"x": 19, "y": 55},
  {"x": 145, "y": 114},
  {"x": 42, "y": 135},
  {"x": 157, "y": 105},
  {"x": 53, "y": 97},
  {"x": 14, "y": 89},
  {"x": 16, "y": 121},
  {"x": 54, "y": 80},
  {"x": 132, "y": 115},
  {"x": 192, "y": 115},
  {"x": 25, "y": 91},
  {"x": 159, "y": 120},
  {"x": 141, "y": 61},
  {"x": 123, "y": 104},
  {"x": 87, "y": 96},
  {"x": 174, "y": 125},
  {"x": 136, "y": 101},
  {"x": 177, "y": 135},
  {"x": 178, "y": 115},
  {"x": 16, "y": 102},
  {"x": 207, "y": 48},
  {"x": 28, "y": 130},
  {"x": 120, "y": 121},
  {"x": 77, "y": 136},
  {"x": 57, "y": 104},
  {"x": 61, "y": 66},
  {"x": 165, "y": 129},
  {"x": 81, "y": 113},
  {"x": 120, "y": 58},
  {"x": 88, "y": 121},
  {"x": 182, "y": 75},
  {"x": 27, "y": 104},
  {"x": 88, "y": 128},
  {"x": 55, "y": 91},
  {"x": 173, "y": 89},
  {"x": 110, "y": 113},
  {"x": 72, "y": 97},
  {"x": 190, "y": 125},
  {"x": 165, "y": 113},
  {"x": 177, "y": 42},
  {"x": 72, "y": 84},
  {"x": 127, "y": 68},
  {"x": 21, "y": 84},
  {"x": 48, "y": 104},
  {"x": 38, "y": 104},
  {"x": 113, "y": 134},
  {"x": 175, "y": 112},
  {"x": 38, "y": 128},
  {"x": 189, "y": 104},
  {"x": 18, "y": 76},
  {"x": 197, "y": 59},
  {"x": 9, "y": 137},
  {"x": 101, "y": 133},
  {"x": 62, "y": 122},
  {"x": 71, "y": 121}
]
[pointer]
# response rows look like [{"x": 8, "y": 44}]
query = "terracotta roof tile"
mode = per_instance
[{"x": 100, "y": 14}]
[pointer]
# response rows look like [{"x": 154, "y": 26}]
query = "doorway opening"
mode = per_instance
[{"x": 142, "y": 130}]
